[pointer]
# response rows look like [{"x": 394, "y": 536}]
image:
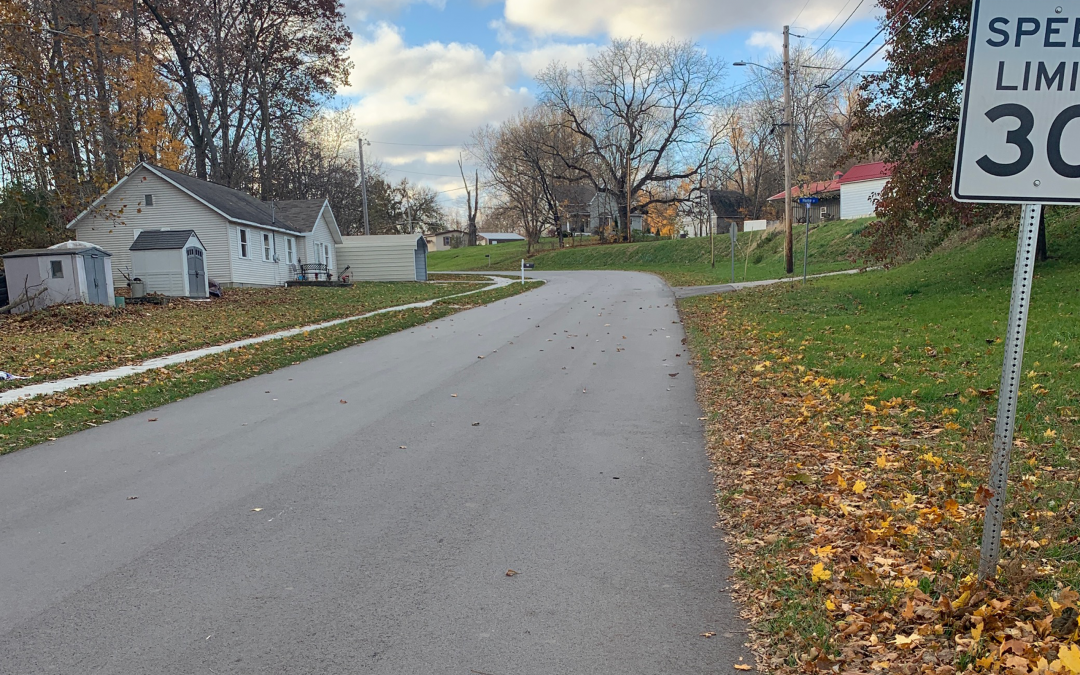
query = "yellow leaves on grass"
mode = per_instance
[
  {"x": 859, "y": 487},
  {"x": 819, "y": 573},
  {"x": 1070, "y": 657}
]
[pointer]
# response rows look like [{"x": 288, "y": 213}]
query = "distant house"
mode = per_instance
[
  {"x": 485, "y": 238},
  {"x": 248, "y": 242},
  {"x": 574, "y": 201},
  {"x": 826, "y": 209},
  {"x": 604, "y": 211},
  {"x": 446, "y": 240},
  {"x": 861, "y": 187}
]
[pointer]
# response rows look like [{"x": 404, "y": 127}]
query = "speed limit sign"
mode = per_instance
[
  {"x": 1019, "y": 142},
  {"x": 1020, "y": 121}
]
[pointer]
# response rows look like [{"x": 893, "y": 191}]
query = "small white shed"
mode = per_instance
[
  {"x": 171, "y": 262},
  {"x": 395, "y": 257},
  {"x": 65, "y": 273}
]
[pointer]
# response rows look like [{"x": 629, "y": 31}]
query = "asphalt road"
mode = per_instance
[{"x": 358, "y": 513}]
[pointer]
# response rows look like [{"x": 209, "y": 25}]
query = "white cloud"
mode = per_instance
[
  {"x": 763, "y": 40},
  {"x": 436, "y": 93},
  {"x": 659, "y": 21},
  {"x": 362, "y": 9}
]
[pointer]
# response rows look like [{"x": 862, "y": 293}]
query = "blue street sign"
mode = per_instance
[{"x": 808, "y": 200}]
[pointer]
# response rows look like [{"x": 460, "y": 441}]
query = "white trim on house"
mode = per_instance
[{"x": 243, "y": 243}]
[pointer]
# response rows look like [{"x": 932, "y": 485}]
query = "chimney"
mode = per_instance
[{"x": 273, "y": 212}]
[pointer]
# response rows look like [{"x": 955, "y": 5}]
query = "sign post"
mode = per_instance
[
  {"x": 809, "y": 201},
  {"x": 1017, "y": 146}
]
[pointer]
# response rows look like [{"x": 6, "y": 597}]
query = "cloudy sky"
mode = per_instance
[{"x": 428, "y": 72}]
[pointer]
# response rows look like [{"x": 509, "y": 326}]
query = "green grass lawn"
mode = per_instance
[
  {"x": 681, "y": 262},
  {"x": 67, "y": 340},
  {"x": 851, "y": 425}
]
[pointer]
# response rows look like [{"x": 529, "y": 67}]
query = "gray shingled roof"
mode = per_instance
[
  {"x": 161, "y": 240},
  {"x": 300, "y": 213},
  {"x": 234, "y": 204}
]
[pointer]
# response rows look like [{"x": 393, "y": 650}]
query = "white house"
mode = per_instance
[
  {"x": 445, "y": 240},
  {"x": 248, "y": 242},
  {"x": 861, "y": 187}
]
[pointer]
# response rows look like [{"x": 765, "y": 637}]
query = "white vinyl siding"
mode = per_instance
[
  {"x": 314, "y": 243},
  {"x": 380, "y": 258},
  {"x": 113, "y": 223},
  {"x": 859, "y": 200}
]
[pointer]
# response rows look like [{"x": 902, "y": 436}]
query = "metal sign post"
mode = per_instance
[
  {"x": 1011, "y": 377},
  {"x": 809, "y": 201},
  {"x": 1021, "y": 98},
  {"x": 734, "y": 237}
]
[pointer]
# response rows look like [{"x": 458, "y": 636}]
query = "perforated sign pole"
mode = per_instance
[
  {"x": 1010, "y": 388},
  {"x": 1019, "y": 126}
]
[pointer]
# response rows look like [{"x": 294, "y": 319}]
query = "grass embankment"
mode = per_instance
[
  {"x": 851, "y": 426},
  {"x": 68, "y": 340},
  {"x": 46, "y": 418},
  {"x": 681, "y": 262}
]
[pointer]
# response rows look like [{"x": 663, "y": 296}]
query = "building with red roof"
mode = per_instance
[
  {"x": 861, "y": 187},
  {"x": 826, "y": 209}
]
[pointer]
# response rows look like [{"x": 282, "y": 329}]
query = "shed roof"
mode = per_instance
[
  {"x": 865, "y": 172},
  {"x": 40, "y": 252},
  {"x": 374, "y": 240},
  {"x": 163, "y": 240},
  {"x": 500, "y": 236}
]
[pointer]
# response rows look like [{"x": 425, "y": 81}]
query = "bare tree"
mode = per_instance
[
  {"x": 472, "y": 199},
  {"x": 643, "y": 110}
]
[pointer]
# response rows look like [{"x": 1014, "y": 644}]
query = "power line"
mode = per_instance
[
  {"x": 885, "y": 44},
  {"x": 800, "y": 12},
  {"x": 418, "y": 145},
  {"x": 829, "y": 25},
  {"x": 850, "y": 16},
  {"x": 871, "y": 41}
]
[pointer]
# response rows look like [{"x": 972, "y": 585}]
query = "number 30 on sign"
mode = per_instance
[{"x": 1020, "y": 121}]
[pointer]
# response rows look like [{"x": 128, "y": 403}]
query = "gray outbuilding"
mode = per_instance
[
  {"x": 394, "y": 257},
  {"x": 66, "y": 273},
  {"x": 171, "y": 263}
]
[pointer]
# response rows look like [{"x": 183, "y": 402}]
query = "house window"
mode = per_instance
[
  {"x": 266, "y": 247},
  {"x": 148, "y": 200},
  {"x": 56, "y": 269},
  {"x": 326, "y": 255},
  {"x": 446, "y": 241},
  {"x": 243, "y": 243},
  {"x": 290, "y": 255}
]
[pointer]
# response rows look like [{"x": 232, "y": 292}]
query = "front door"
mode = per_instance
[
  {"x": 421, "y": 264},
  {"x": 196, "y": 271},
  {"x": 97, "y": 290}
]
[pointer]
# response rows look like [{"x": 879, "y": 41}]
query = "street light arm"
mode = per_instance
[{"x": 758, "y": 65}]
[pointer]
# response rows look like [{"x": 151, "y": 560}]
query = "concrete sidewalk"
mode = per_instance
[{"x": 693, "y": 291}]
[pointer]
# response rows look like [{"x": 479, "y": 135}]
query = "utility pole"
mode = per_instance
[
  {"x": 629, "y": 227},
  {"x": 708, "y": 217},
  {"x": 363, "y": 187},
  {"x": 789, "y": 241}
]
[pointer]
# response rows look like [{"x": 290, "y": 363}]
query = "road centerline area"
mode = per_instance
[{"x": 291, "y": 532}]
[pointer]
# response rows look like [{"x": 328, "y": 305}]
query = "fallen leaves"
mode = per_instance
[
  {"x": 512, "y": 573},
  {"x": 853, "y": 520}
]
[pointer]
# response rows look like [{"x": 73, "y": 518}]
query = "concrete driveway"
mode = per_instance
[{"x": 358, "y": 513}]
